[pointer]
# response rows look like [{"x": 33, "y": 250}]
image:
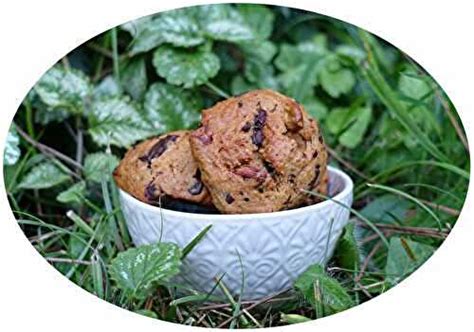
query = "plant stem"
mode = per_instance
[
  {"x": 29, "y": 119},
  {"x": 115, "y": 56},
  {"x": 217, "y": 90},
  {"x": 48, "y": 150}
]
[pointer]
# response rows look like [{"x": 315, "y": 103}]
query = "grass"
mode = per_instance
[{"x": 411, "y": 168}]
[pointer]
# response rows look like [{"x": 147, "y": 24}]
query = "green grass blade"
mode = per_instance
[
  {"x": 390, "y": 99},
  {"x": 190, "y": 246}
]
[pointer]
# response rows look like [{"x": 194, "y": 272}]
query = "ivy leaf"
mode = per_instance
[
  {"x": 405, "y": 256},
  {"x": 223, "y": 22},
  {"x": 100, "y": 164},
  {"x": 134, "y": 79},
  {"x": 117, "y": 121},
  {"x": 335, "y": 79},
  {"x": 171, "y": 108},
  {"x": 259, "y": 18},
  {"x": 350, "y": 124},
  {"x": 65, "y": 89},
  {"x": 12, "y": 151},
  {"x": 332, "y": 296},
  {"x": 74, "y": 194},
  {"x": 43, "y": 176},
  {"x": 347, "y": 251},
  {"x": 137, "y": 270},
  {"x": 184, "y": 67}
]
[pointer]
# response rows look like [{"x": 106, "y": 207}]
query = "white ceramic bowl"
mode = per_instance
[{"x": 275, "y": 248}]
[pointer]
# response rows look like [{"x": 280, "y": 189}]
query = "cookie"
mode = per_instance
[
  {"x": 160, "y": 168},
  {"x": 258, "y": 151}
]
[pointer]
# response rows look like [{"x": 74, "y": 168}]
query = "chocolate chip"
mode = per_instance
[
  {"x": 291, "y": 178},
  {"x": 258, "y": 124},
  {"x": 321, "y": 140},
  {"x": 261, "y": 190},
  {"x": 246, "y": 199},
  {"x": 196, "y": 188},
  {"x": 260, "y": 118},
  {"x": 269, "y": 167},
  {"x": 229, "y": 199},
  {"x": 150, "y": 190},
  {"x": 205, "y": 138},
  {"x": 246, "y": 127},
  {"x": 257, "y": 137},
  {"x": 315, "y": 154},
  {"x": 158, "y": 149},
  {"x": 240, "y": 104}
]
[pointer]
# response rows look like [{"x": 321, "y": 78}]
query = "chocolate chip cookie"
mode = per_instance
[
  {"x": 162, "y": 167},
  {"x": 258, "y": 152}
]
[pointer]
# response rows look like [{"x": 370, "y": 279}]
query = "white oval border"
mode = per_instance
[{"x": 436, "y": 34}]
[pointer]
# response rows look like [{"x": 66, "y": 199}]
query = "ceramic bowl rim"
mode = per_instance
[{"x": 250, "y": 217}]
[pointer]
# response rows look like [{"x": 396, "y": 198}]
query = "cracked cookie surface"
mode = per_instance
[
  {"x": 162, "y": 167},
  {"x": 258, "y": 151}
]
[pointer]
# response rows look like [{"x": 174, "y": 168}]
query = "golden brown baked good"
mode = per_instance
[
  {"x": 162, "y": 167},
  {"x": 257, "y": 151}
]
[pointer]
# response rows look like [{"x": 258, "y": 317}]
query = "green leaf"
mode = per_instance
[
  {"x": 294, "y": 318},
  {"x": 108, "y": 87},
  {"x": 315, "y": 107},
  {"x": 258, "y": 68},
  {"x": 350, "y": 124},
  {"x": 42, "y": 176},
  {"x": 347, "y": 251},
  {"x": 299, "y": 82},
  {"x": 137, "y": 270},
  {"x": 184, "y": 67},
  {"x": 223, "y": 22},
  {"x": 240, "y": 85},
  {"x": 333, "y": 296},
  {"x": 259, "y": 18},
  {"x": 171, "y": 108},
  {"x": 177, "y": 27},
  {"x": 134, "y": 79},
  {"x": 135, "y": 27},
  {"x": 335, "y": 79},
  {"x": 405, "y": 256},
  {"x": 292, "y": 56},
  {"x": 12, "y": 151},
  {"x": 100, "y": 164},
  {"x": 74, "y": 194},
  {"x": 386, "y": 209},
  {"x": 147, "y": 313},
  {"x": 117, "y": 121},
  {"x": 415, "y": 87},
  {"x": 65, "y": 89}
]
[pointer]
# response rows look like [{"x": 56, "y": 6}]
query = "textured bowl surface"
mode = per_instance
[{"x": 274, "y": 248}]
